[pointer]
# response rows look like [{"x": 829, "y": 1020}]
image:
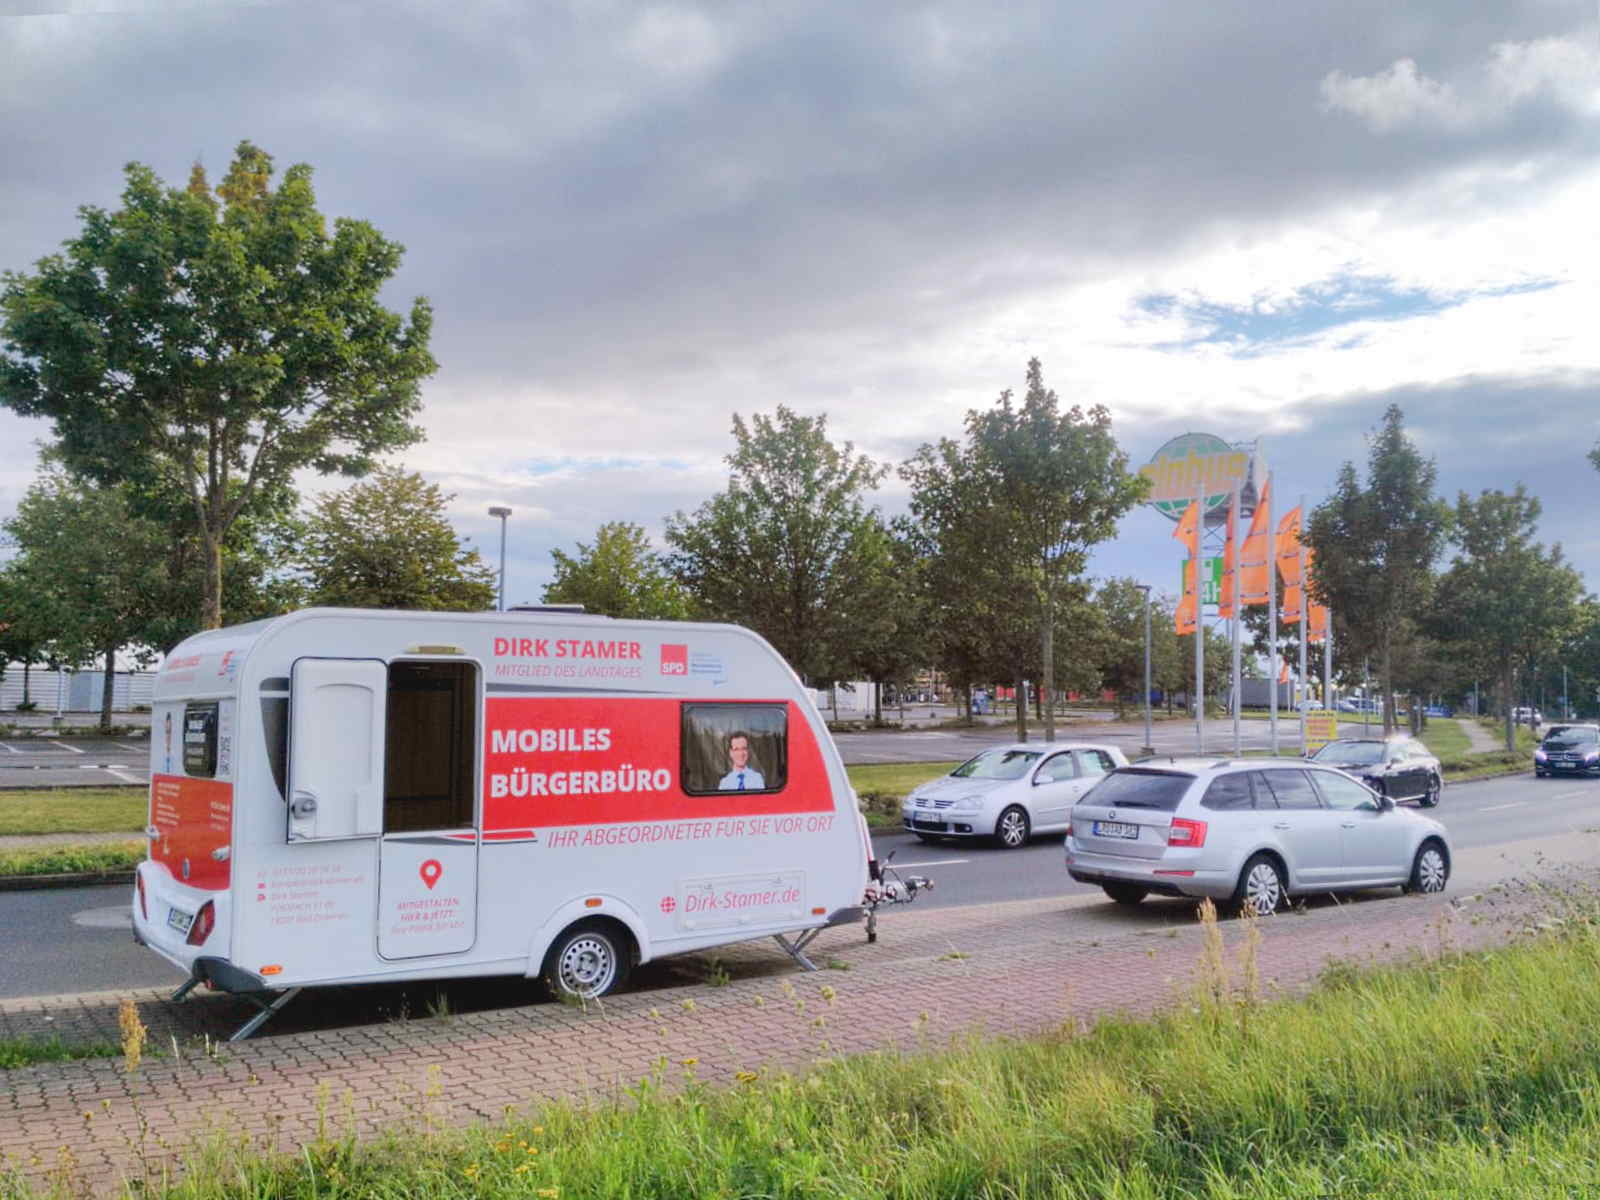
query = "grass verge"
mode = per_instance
[
  {"x": 73, "y": 810},
  {"x": 881, "y": 786},
  {"x": 62, "y": 860},
  {"x": 1393, "y": 1082}
]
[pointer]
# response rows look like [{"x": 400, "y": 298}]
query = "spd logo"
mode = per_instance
[{"x": 674, "y": 659}]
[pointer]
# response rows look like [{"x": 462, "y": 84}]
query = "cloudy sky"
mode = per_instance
[{"x": 1248, "y": 218}]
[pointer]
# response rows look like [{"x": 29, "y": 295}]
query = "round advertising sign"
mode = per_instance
[{"x": 1189, "y": 460}]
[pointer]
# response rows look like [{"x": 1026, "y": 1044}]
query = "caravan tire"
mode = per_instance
[{"x": 588, "y": 960}]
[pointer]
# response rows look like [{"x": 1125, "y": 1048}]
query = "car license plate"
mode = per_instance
[
  {"x": 179, "y": 919},
  {"x": 1115, "y": 829},
  {"x": 924, "y": 823}
]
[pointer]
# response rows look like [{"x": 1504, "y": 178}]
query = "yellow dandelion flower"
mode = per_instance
[{"x": 688, "y": 1062}]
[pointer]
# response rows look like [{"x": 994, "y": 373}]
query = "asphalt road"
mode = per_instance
[
  {"x": 36, "y": 761},
  {"x": 76, "y": 940}
]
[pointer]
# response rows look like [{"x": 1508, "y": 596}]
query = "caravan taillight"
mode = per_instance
[
  {"x": 204, "y": 922},
  {"x": 138, "y": 886}
]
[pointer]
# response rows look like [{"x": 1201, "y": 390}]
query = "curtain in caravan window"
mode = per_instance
[{"x": 734, "y": 747}]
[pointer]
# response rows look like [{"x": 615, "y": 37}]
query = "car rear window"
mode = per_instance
[{"x": 1140, "y": 788}]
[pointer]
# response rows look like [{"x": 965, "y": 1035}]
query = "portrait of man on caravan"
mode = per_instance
[
  {"x": 742, "y": 775},
  {"x": 734, "y": 748}
]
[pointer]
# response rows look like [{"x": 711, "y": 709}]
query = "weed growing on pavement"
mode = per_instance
[
  {"x": 133, "y": 1034},
  {"x": 26, "y": 1052}
]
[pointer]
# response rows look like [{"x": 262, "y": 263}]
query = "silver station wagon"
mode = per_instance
[{"x": 1251, "y": 832}]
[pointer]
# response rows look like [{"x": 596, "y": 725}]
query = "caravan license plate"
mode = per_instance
[
  {"x": 1116, "y": 829},
  {"x": 179, "y": 919}
]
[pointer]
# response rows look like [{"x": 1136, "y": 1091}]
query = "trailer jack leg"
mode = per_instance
[
  {"x": 189, "y": 985},
  {"x": 267, "y": 1009},
  {"x": 795, "y": 947}
]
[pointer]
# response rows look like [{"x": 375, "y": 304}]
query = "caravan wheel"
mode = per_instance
[{"x": 587, "y": 961}]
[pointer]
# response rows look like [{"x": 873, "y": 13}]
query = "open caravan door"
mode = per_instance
[{"x": 389, "y": 751}]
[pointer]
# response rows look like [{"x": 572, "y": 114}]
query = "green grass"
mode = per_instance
[
  {"x": 60, "y": 860},
  {"x": 74, "y": 810},
  {"x": 881, "y": 787},
  {"x": 1473, "y": 1076},
  {"x": 26, "y": 1052}
]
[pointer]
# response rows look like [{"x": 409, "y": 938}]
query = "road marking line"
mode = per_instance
[
  {"x": 124, "y": 776},
  {"x": 9, "y": 749},
  {"x": 1514, "y": 804},
  {"x": 57, "y": 745},
  {"x": 932, "y": 862},
  {"x": 136, "y": 749},
  {"x": 1567, "y": 795}
]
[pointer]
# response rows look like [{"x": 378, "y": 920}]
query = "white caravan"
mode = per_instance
[{"x": 352, "y": 796}]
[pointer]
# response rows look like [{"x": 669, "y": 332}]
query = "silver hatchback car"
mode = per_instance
[{"x": 1248, "y": 831}]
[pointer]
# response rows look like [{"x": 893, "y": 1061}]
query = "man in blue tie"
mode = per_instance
[{"x": 743, "y": 777}]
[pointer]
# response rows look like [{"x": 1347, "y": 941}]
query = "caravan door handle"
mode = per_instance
[
  {"x": 304, "y": 804},
  {"x": 1282, "y": 825}
]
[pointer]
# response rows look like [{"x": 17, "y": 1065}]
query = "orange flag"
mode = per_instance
[
  {"x": 1319, "y": 623},
  {"x": 1283, "y": 672},
  {"x": 1294, "y": 603},
  {"x": 1188, "y": 532},
  {"x": 1289, "y": 548},
  {"x": 1230, "y": 562},
  {"x": 1253, "y": 577}
]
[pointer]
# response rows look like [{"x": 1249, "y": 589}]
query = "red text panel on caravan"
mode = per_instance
[
  {"x": 192, "y": 817},
  {"x": 615, "y": 760}
]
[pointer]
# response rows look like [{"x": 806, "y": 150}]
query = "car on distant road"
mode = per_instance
[
  {"x": 1008, "y": 793},
  {"x": 1400, "y": 768},
  {"x": 1568, "y": 750},
  {"x": 1249, "y": 832},
  {"x": 1360, "y": 704},
  {"x": 1526, "y": 716}
]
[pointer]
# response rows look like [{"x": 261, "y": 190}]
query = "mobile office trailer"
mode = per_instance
[{"x": 343, "y": 796}]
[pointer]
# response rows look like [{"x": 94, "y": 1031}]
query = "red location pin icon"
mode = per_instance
[{"x": 430, "y": 872}]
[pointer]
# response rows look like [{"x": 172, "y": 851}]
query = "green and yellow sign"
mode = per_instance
[{"x": 1188, "y": 461}]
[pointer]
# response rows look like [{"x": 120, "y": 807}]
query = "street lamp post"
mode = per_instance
[
  {"x": 501, "y": 511},
  {"x": 1145, "y": 588}
]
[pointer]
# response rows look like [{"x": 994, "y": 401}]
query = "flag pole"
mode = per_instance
[
  {"x": 1238, "y": 610},
  {"x": 1305, "y": 619},
  {"x": 1272, "y": 616},
  {"x": 1199, "y": 621},
  {"x": 1327, "y": 663}
]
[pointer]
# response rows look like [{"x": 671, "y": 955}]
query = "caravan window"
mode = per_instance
[
  {"x": 734, "y": 748},
  {"x": 200, "y": 740}
]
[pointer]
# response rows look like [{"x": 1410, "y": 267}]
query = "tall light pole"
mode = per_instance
[
  {"x": 1145, "y": 588},
  {"x": 501, "y": 511}
]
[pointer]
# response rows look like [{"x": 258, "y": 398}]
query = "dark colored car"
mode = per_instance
[
  {"x": 1399, "y": 768},
  {"x": 1568, "y": 750}
]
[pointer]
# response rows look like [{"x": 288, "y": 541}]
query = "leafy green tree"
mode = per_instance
[
  {"x": 1376, "y": 545},
  {"x": 1506, "y": 599},
  {"x": 891, "y": 640},
  {"x": 92, "y": 568},
  {"x": 791, "y": 549},
  {"x": 385, "y": 543},
  {"x": 208, "y": 345},
  {"x": 1047, "y": 486},
  {"x": 618, "y": 575},
  {"x": 24, "y": 625},
  {"x": 1121, "y": 604}
]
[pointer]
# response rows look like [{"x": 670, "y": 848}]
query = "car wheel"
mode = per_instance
[
  {"x": 1011, "y": 830},
  {"x": 1261, "y": 887},
  {"x": 587, "y": 961},
  {"x": 1125, "y": 893},
  {"x": 1430, "y": 870},
  {"x": 1430, "y": 798}
]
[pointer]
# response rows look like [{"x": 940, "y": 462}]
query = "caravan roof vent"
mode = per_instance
[{"x": 570, "y": 609}]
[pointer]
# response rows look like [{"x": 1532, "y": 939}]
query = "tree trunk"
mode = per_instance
[
  {"x": 966, "y": 693},
  {"x": 211, "y": 590},
  {"x": 27, "y": 667},
  {"x": 1047, "y": 673},
  {"x": 877, "y": 702},
  {"x": 108, "y": 690},
  {"x": 1022, "y": 708},
  {"x": 1386, "y": 702},
  {"x": 1511, "y": 728}
]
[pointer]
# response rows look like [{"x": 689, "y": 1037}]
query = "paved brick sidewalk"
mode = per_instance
[{"x": 1009, "y": 969}]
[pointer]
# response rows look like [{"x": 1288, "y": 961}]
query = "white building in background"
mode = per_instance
[{"x": 75, "y": 691}]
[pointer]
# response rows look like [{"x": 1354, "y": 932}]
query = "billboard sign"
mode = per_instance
[
  {"x": 1210, "y": 579},
  {"x": 1189, "y": 460}
]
